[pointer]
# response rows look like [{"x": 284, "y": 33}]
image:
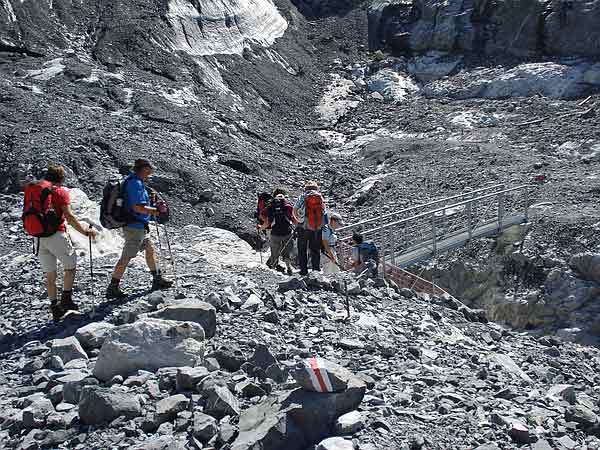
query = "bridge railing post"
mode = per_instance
[
  {"x": 434, "y": 233},
  {"x": 500, "y": 210},
  {"x": 470, "y": 219}
]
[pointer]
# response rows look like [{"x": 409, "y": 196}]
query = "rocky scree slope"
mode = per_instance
[
  {"x": 420, "y": 373},
  {"x": 217, "y": 94}
]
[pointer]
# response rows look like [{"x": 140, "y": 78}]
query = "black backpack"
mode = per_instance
[
  {"x": 114, "y": 212},
  {"x": 281, "y": 223}
]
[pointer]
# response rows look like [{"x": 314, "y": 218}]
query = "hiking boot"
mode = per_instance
[
  {"x": 67, "y": 303},
  {"x": 159, "y": 283},
  {"x": 56, "y": 310},
  {"x": 113, "y": 292}
]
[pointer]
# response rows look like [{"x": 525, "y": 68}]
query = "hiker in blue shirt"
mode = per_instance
[{"x": 137, "y": 231}]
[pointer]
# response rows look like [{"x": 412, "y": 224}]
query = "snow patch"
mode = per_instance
[
  {"x": 50, "y": 70},
  {"x": 12, "y": 18},
  {"x": 337, "y": 101},
  {"x": 472, "y": 119},
  {"x": 180, "y": 97},
  {"x": 108, "y": 242},
  {"x": 221, "y": 248},
  {"x": 224, "y": 26},
  {"x": 586, "y": 151}
]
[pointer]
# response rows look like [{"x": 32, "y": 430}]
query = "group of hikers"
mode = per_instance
[
  {"x": 131, "y": 205},
  {"x": 315, "y": 228}
]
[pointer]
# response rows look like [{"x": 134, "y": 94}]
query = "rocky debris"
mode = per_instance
[
  {"x": 67, "y": 349},
  {"x": 92, "y": 336},
  {"x": 205, "y": 427},
  {"x": 587, "y": 266},
  {"x": 189, "y": 311},
  {"x": 101, "y": 405},
  {"x": 296, "y": 419},
  {"x": 504, "y": 28},
  {"x": 168, "y": 408},
  {"x": 149, "y": 344},
  {"x": 394, "y": 86},
  {"x": 550, "y": 79},
  {"x": 189, "y": 377}
]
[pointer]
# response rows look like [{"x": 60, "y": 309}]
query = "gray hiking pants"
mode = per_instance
[{"x": 277, "y": 244}]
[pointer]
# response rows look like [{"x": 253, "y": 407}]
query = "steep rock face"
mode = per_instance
[
  {"x": 313, "y": 8},
  {"x": 521, "y": 29},
  {"x": 117, "y": 29}
]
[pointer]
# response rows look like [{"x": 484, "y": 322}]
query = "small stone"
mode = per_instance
[
  {"x": 349, "y": 423},
  {"x": 68, "y": 349},
  {"x": 335, "y": 443}
]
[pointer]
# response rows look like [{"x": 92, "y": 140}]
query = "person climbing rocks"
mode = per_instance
[
  {"x": 365, "y": 257},
  {"x": 330, "y": 239},
  {"x": 280, "y": 220},
  {"x": 137, "y": 232},
  {"x": 309, "y": 213},
  {"x": 46, "y": 212}
]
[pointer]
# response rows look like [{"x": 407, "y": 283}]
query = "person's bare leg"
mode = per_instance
[
  {"x": 151, "y": 256},
  {"x": 69, "y": 280},
  {"x": 51, "y": 285},
  {"x": 120, "y": 268}
]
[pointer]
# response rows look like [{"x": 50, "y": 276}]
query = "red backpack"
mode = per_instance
[
  {"x": 39, "y": 217},
  {"x": 314, "y": 206}
]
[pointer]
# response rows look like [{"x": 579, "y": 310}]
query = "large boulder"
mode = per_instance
[
  {"x": 149, "y": 344},
  {"x": 321, "y": 375},
  {"x": 198, "y": 312},
  {"x": 296, "y": 419},
  {"x": 100, "y": 405}
]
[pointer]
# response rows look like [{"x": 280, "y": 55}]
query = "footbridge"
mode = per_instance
[{"x": 417, "y": 234}]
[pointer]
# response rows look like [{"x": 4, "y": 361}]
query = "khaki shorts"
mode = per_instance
[
  {"x": 136, "y": 240},
  {"x": 57, "y": 247}
]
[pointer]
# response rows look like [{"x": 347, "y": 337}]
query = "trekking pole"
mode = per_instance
[
  {"x": 92, "y": 289},
  {"x": 173, "y": 264},
  {"x": 158, "y": 262},
  {"x": 259, "y": 243}
]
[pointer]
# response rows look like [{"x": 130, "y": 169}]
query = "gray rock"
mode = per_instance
[
  {"x": 215, "y": 300},
  {"x": 587, "y": 266},
  {"x": 582, "y": 415},
  {"x": 335, "y": 377},
  {"x": 189, "y": 377},
  {"x": 349, "y": 423},
  {"x": 72, "y": 389},
  {"x": 221, "y": 402},
  {"x": 92, "y": 335},
  {"x": 293, "y": 284},
  {"x": 335, "y": 443},
  {"x": 67, "y": 349},
  {"x": 296, "y": 419},
  {"x": 163, "y": 443},
  {"x": 229, "y": 358},
  {"x": 564, "y": 392},
  {"x": 205, "y": 427},
  {"x": 56, "y": 363},
  {"x": 149, "y": 344},
  {"x": 168, "y": 408},
  {"x": 34, "y": 416},
  {"x": 253, "y": 303},
  {"x": 197, "y": 312},
  {"x": 101, "y": 405}
]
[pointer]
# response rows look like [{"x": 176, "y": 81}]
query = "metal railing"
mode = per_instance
[
  {"x": 381, "y": 219},
  {"x": 424, "y": 231}
]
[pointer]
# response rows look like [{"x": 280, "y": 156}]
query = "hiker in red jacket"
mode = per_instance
[{"x": 46, "y": 212}]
